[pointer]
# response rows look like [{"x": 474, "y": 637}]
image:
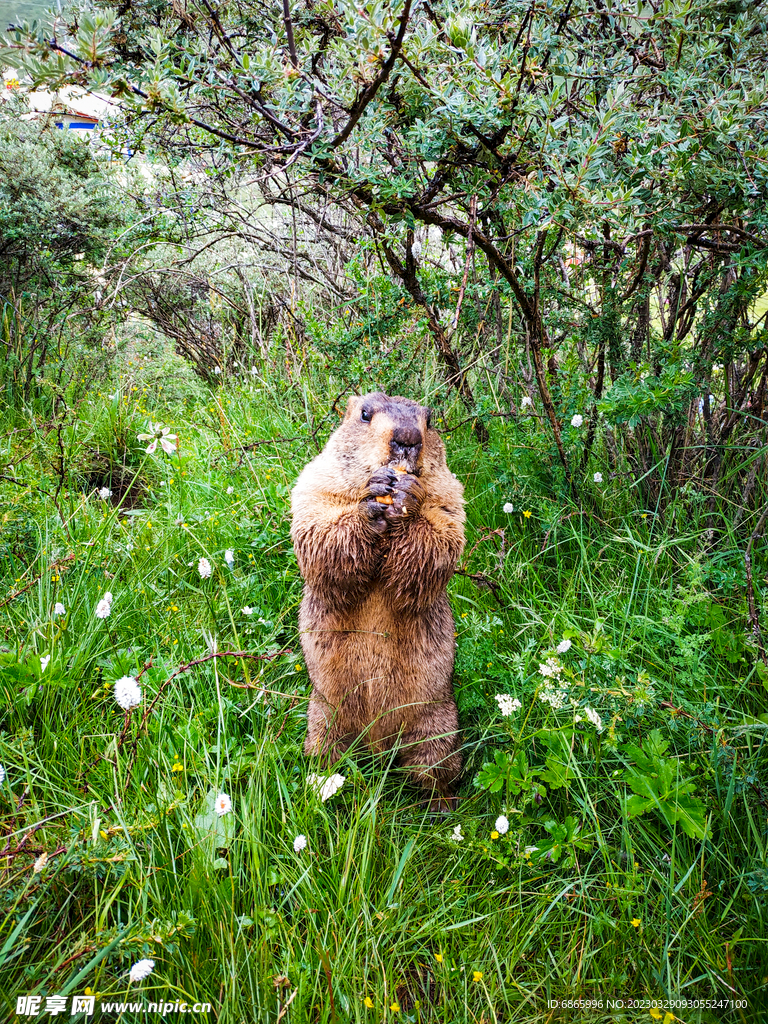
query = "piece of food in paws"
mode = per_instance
[{"x": 386, "y": 499}]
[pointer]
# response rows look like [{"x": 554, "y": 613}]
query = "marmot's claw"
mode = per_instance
[
  {"x": 382, "y": 482},
  {"x": 408, "y": 494},
  {"x": 376, "y": 514}
]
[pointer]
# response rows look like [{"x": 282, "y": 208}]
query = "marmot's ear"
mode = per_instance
[
  {"x": 430, "y": 416},
  {"x": 351, "y": 406}
]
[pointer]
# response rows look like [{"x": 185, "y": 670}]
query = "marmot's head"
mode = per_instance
[{"x": 379, "y": 430}]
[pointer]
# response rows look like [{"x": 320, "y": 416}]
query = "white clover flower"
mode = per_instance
[
  {"x": 2, "y": 775},
  {"x": 598, "y": 478},
  {"x": 223, "y": 804},
  {"x": 324, "y": 787},
  {"x": 508, "y": 704},
  {"x": 44, "y": 662},
  {"x": 158, "y": 434},
  {"x": 59, "y": 609},
  {"x": 141, "y": 970},
  {"x": 40, "y": 863},
  {"x": 230, "y": 490},
  {"x": 527, "y": 402},
  {"x": 299, "y": 844},
  {"x": 229, "y": 557},
  {"x": 509, "y": 508},
  {"x": 594, "y": 718},
  {"x": 502, "y": 825},
  {"x": 104, "y": 493},
  {"x": 247, "y": 610},
  {"x": 127, "y": 693},
  {"x": 103, "y": 608},
  {"x": 551, "y": 668},
  {"x": 577, "y": 420},
  {"x": 204, "y": 568},
  {"x": 563, "y": 646},
  {"x": 108, "y": 596},
  {"x": 457, "y": 836}
]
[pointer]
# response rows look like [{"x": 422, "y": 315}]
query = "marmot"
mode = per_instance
[{"x": 378, "y": 528}]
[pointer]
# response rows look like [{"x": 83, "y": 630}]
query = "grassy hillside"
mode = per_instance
[{"x": 631, "y": 776}]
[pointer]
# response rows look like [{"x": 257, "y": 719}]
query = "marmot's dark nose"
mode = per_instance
[{"x": 407, "y": 437}]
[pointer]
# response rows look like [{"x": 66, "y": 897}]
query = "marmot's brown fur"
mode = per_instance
[{"x": 378, "y": 527}]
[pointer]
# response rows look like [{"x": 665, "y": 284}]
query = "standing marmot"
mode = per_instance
[{"x": 378, "y": 527}]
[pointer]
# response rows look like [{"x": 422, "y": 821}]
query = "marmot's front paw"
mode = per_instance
[
  {"x": 407, "y": 495},
  {"x": 382, "y": 483},
  {"x": 376, "y": 513}
]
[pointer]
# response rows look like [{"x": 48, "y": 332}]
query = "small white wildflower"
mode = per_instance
[
  {"x": 594, "y": 718},
  {"x": 254, "y": 371},
  {"x": 529, "y": 850},
  {"x": 230, "y": 490},
  {"x": 247, "y": 610},
  {"x": 229, "y": 557},
  {"x": 598, "y": 478},
  {"x": 44, "y": 662},
  {"x": 509, "y": 508},
  {"x": 104, "y": 493},
  {"x": 577, "y": 420},
  {"x": 223, "y": 804},
  {"x": 204, "y": 568},
  {"x": 457, "y": 836},
  {"x": 59, "y": 609},
  {"x": 158, "y": 434},
  {"x": 217, "y": 370},
  {"x": 2, "y": 775},
  {"x": 555, "y": 698},
  {"x": 324, "y": 787},
  {"x": 527, "y": 402},
  {"x": 508, "y": 704},
  {"x": 551, "y": 668},
  {"x": 141, "y": 970},
  {"x": 502, "y": 824},
  {"x": 127, "y": 693},
  {"x": 40, "y": 863},
  {"x": 103, "y": 609},
  {"x": 563, "y": 646},
  {"x": 299, "y": 843}
]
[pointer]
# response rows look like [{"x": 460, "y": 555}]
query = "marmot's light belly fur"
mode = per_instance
[{"x": 378, "y": 527}]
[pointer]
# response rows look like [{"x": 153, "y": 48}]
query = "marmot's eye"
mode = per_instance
[{"x": 366, "y": 416}]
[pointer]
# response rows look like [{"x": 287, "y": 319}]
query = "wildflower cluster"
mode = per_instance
[
  {"x": 104, "y": 607},
  {"x": 127, "y": 693},
  {"x": 508, "y": 704}
]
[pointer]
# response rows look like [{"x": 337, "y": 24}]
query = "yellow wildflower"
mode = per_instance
[
  {"x": 368, "y": 1002},
  {"x": 635, "y": 922},
  {"x": 494, "y": 834},
  {"x": 395, "y": 1008},
  {"x": 439, "y": 957},
  {"x": 477, "y": 976},
  {"x": 527, "y": 514}
]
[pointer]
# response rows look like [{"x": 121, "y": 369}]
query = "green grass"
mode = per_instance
[{"x": 382, "y": 904}]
